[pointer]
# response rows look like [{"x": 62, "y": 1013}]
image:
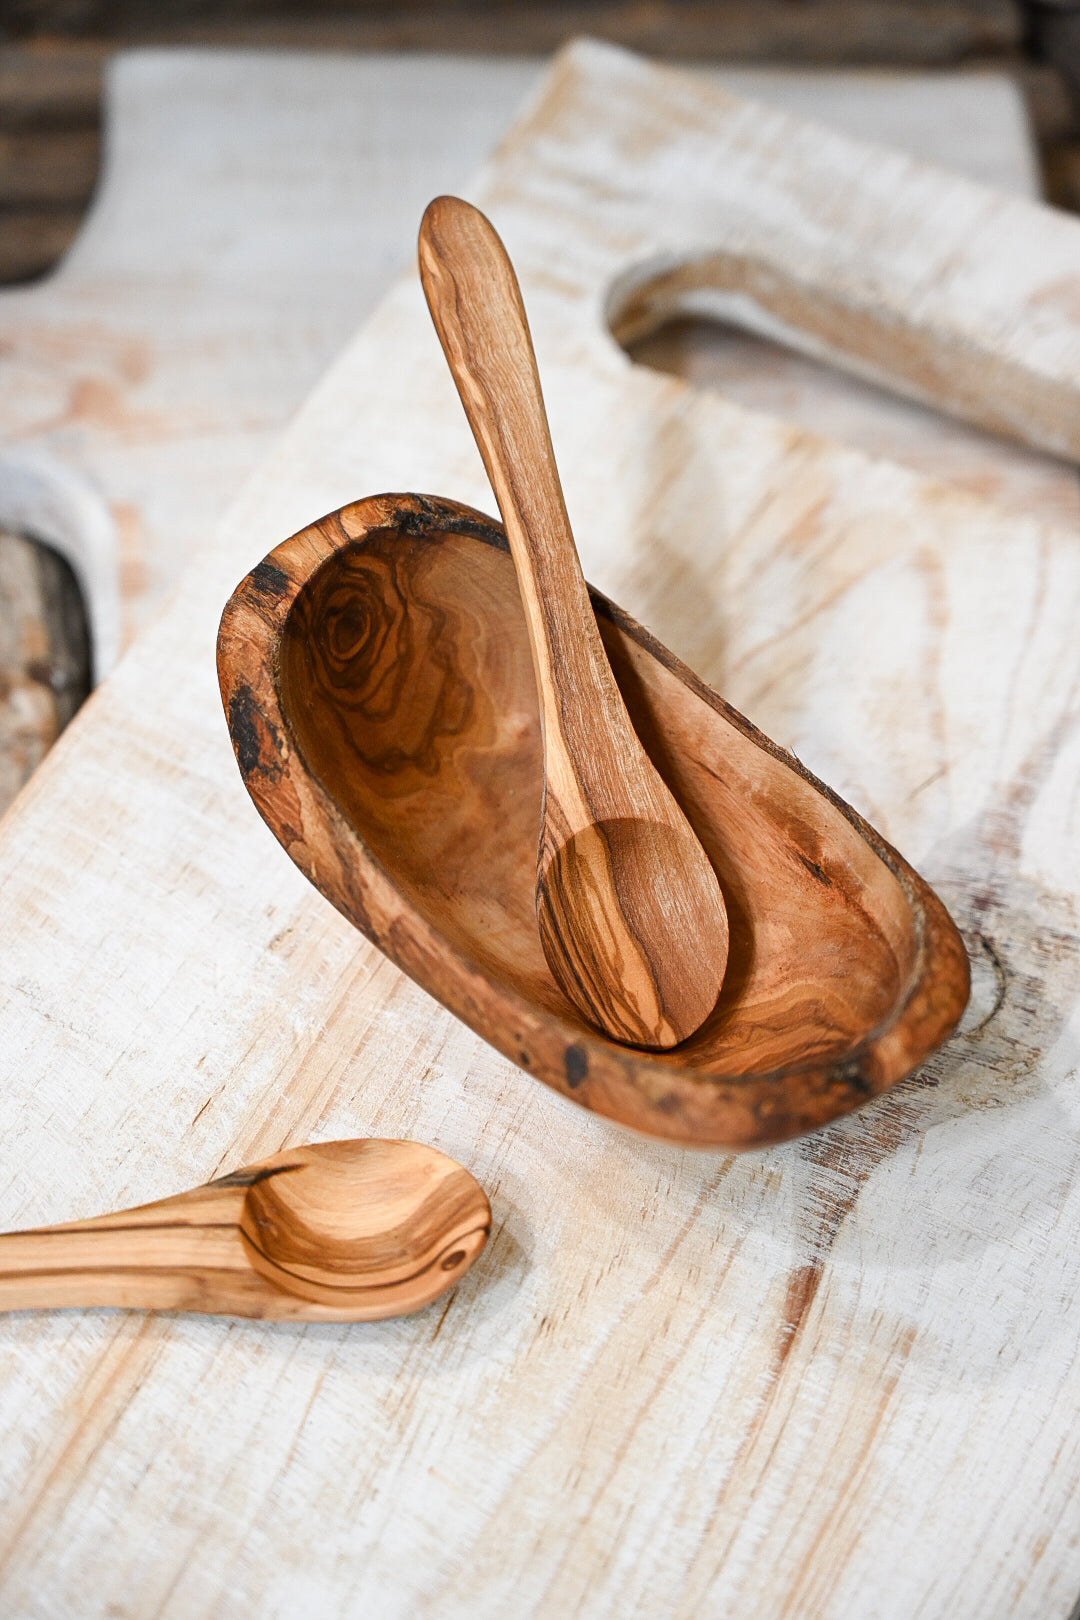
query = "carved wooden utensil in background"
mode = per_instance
[
  {"x": 337, "y": 1232},
  {"x": 632, "y": 921}
]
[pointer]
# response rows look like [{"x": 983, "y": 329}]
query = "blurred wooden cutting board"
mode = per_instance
[
  {"x": 253, "y": 208},
  {"x": 834, "y": 1379}
]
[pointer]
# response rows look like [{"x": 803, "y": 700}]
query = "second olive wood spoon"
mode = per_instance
[
  {"x": 337, "y": 1232},
  {"x": 632, "y": 921}
]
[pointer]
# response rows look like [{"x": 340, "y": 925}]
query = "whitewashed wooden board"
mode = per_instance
[
  {"x": 838, "y": 1378},
  {"x": 253, "y": 208}
]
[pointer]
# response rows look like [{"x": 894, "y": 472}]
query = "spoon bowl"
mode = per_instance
[
  {"x": 350, "y": 1221},
  {"x": 378, "y": 682},
  {"x": 604, "y": 891}
]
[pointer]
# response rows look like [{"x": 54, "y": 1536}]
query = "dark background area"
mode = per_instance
[{"x": 52, "y": 54}]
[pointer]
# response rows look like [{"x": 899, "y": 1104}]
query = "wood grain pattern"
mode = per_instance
[
  {"x": 833, "y": 1378},
  {"x": 337, "y": 1232},
  {"x": 632, "y": 922},
  {"x": 883, "y": 33},
  {"x": 377, "y": 679}
]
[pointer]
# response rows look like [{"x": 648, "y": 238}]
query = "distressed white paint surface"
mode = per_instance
[
  {"x": 253, "y": 208},
  {"x": 835, "y": 1379}
]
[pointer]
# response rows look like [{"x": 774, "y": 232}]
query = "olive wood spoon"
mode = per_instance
[
  {"x": 341, "y": 1232},
  {"x": 632, "y": 921}
]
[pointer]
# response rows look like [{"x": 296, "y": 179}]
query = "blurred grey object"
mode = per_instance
[
  {"x": 44, "y": 655},
  {"x": 63, "y": 511}
]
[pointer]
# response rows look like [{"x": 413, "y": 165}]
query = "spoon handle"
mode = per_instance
[
  {"x": 173, "y": 1255},
  {"x": 476, "y": 306}
]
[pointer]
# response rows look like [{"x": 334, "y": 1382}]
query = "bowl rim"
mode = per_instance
[{"x": 651, "y": 1093}]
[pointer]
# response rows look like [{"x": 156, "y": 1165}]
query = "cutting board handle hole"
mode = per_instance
[{"x": 833, "y": 360}]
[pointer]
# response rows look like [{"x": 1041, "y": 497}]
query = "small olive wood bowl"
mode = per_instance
[{"x": 376, "y": 675}]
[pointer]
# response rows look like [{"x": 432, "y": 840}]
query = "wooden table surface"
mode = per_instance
[{"x": 837, "y": 1378}]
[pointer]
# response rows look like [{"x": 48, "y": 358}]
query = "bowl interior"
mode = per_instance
[{"x": 407, "y": 683}]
